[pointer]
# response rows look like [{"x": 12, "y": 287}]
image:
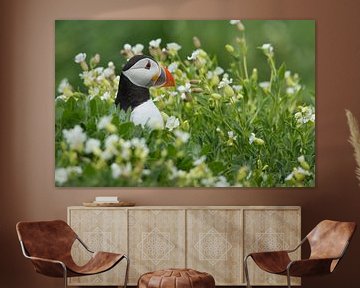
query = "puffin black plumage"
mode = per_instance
[{"x": 139, "y": 74}]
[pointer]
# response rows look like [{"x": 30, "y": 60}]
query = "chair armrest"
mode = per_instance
[
  {"x": 84, "y": 245},
  {"x": 309, "y": 267},
  {"x": 49, "y": 267},
  {"x": 298, "y": 246}
]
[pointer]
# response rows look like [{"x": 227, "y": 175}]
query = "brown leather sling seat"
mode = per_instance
[
  {"x": 48, "y": 245},
  {"x": 328, "y": 242}
]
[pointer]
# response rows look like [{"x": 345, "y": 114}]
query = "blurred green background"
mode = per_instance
[{"x": 293, "y": 41}]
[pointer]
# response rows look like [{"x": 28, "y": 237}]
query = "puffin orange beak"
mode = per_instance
[
  {"x": 170, "y": 81},
  {"x": 163, "y": 79}
]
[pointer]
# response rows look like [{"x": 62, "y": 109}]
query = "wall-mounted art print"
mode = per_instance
[{"x": 175, "y": 103}]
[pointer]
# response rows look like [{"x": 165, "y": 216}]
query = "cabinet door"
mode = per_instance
[
  {"x": 270, "y": 230},
  {"x": 101, "y": 230},
  {"x": 156, "y": 240},
  {"x": 214, "y": 244}
]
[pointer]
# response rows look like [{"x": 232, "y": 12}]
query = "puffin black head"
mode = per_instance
[{"x": 138, "y": 75}]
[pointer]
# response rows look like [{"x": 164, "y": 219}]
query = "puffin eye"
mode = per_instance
[{"x": 148, "y": 65}]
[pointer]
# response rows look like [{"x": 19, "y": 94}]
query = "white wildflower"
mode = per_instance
[
  {"x": 289, "y": 177},
  {"x": 61, "y": 176},
  {"x": 232, "y": 135},
  {"x": 185, "y": 88},
  {"x": 106, "y": 154},
  {"x": 92, "y": 146},
  {"x": 305, "y": 114},
  {"x": 208, "y": 182},
  {"x": 106, "y": 96},
  {"x": 237, "y": 88},
  {"x": 126, "y": 170},
  {"x": 80, "y": 57},
  {"x": 267, "y": 48},
  {"x": 256, "y": 140},
  {"x": 264, "y": 85},
  {"x": 74, "y": 170},
  {"x": 194, "y": 55},
  {"x": 64, "y": 85},
  {"x": 172, "y": 122},
  {"x": 146, "y": 172},
  {"x": 62, "y": 97},
  {"x": 138, "y": 142},
  {"x": 159, "y": 98},
  {"x": 111, "y": 141},
  {"x": 116, "y": 170},
  {"x": 108, "y": 72},
  {"x": 301, "y": 158},
  {"x": 155, "y": 43},
  {"x": 199, "y": 161},
  {"x": 218, "y": 71},
  {"x": 234, "y": 22},
  {"x": 297, "y": 174},
  {"x": 137, "y": 49},
  {"x": 172, "y": 67},
  {"x": 127, "y": 47},
  {"x": 104, "y": 122},
  {"x": 93, "y": 92},
  {"x": 88, "y": 77},
  {"x": 75, "y": 137},
  {"x": 173, "y": 93},
  {"x": 252, "y": 138},
  {"x": 182, "y": 136},
  {"x": 225, "y": 81},
  {"x": 99, "y": 70},
  {"x": 111, "y": 65},
  {"x": 293, "y": 89},
  {"x": 125, "y": 149},
  {"x": 302, "y": 171},
  {"x": 221, "y": 182},
  {"x": 173, "y": 46},
  {"x": 290, "y": 90},
  {"x": 100, "y": 78},
  {"x": 111, "y": 147},
  {"x": 287, "y": 74},
  {"x": 140, "y": 148},
  {"x": 175, "y": 173}
]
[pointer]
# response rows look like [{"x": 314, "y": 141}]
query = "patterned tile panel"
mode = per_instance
[
  {"x": 214, "y": 241},
  {"x": 157, "y": 241},
  {"x": 270, "y": 230},
  {"x": 100, "y": 230}
]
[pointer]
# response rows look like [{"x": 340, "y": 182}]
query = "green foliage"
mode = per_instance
[{"x": 223, "y": 128}]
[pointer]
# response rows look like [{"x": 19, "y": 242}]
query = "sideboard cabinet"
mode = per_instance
[{"x": 212, "y": 239}]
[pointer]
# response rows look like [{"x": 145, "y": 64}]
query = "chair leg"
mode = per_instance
[
  {"x": 65, "y": 276},
  {"x": 246, "y": 270},
  {"x": 288, "y": 278},
  {"x": 127, "y": 271}
]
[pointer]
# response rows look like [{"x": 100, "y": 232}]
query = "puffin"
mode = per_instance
[{"x": 139, "y": 74}]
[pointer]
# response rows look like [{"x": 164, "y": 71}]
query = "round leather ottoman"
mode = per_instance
[{"x": 176, "y": 278}]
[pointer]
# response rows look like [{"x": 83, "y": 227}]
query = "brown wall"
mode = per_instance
[{"x": 27, "y": 120}]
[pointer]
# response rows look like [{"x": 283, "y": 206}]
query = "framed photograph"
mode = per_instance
[{"x": 180, "y": 103}]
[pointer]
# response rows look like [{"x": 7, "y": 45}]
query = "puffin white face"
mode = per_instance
[{"x": 146, "y": 73}]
